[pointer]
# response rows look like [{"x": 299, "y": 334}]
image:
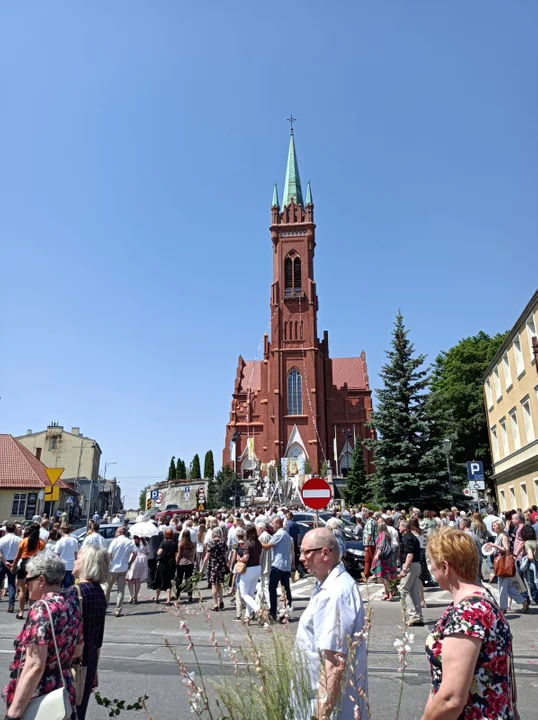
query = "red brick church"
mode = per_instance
[{"x": 297, "y": 402}]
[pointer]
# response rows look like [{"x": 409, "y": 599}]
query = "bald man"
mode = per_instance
[{"x": 338, "y": 674}]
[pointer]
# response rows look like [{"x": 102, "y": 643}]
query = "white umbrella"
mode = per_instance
[{"x": 143, "y": 529}]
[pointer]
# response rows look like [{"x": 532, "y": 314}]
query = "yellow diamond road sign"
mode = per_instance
[{"x": 54, "y": 474}]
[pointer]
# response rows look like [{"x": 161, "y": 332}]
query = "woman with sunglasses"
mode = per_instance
[{"x": 34, "y": 670}]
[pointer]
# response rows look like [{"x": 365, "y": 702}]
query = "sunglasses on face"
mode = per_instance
[{"x": 31, "y": 579}]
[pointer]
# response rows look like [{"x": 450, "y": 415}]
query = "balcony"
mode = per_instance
[{"x": 293, "y": 293}]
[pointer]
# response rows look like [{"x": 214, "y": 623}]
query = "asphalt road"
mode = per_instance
[{"x": 136, "y": 661}]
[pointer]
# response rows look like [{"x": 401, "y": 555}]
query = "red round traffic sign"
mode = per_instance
[{"x": 316, "y": 493}]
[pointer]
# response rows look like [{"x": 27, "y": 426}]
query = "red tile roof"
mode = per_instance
[
  {"x": 251, "y": 376},
  {"x": 18, "y": 467},
  {"x": 350, "y": 371}
]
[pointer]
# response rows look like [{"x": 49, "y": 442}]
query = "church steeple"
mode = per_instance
[
  {"x": 275, "y": 202},
  {"x": 292, "y": 184}
]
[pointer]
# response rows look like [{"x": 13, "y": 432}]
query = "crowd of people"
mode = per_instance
[{"x": 244, "y": 556}]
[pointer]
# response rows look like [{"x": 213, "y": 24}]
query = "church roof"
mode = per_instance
[
  {"x": 251, "y": 377},
  {"x": 292, "y": 184},
  {"x": 350, "y": 371}
]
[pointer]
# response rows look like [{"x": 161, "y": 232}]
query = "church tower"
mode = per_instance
[{"x": 294, "y": 347}]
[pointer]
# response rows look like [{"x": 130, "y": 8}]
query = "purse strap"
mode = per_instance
[
  {"x": 80, "y": 599},
  {"x": 55, "y": 643}
]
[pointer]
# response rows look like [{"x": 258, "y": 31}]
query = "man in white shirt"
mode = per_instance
[
  {"x": 96, "y": 517},
  {"x": 67, "y": 549},
  {"x": 44, "y": 532},
  {"x": 333, "y": 617},
  {"x": 93, "y": 537},
  {"x": 490, "y": 519},
  {"x": 192, "y": 530},
  {"x": 9, "y": 545},
  {"x": 122, "y": 553},
  {"x": 116, "y": 520},
  {"x": 262, "y": 595}
]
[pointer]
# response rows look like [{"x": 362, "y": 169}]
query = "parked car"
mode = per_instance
[
  {"x": 108, "y": 532},
  {"x": 354, "y": 555},
  {"x": 169, "y": 514}
]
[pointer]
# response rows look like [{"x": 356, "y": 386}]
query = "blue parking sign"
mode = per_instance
[
  {"x": 154, "y": 494},
  {"x": 475, "y": 471}
]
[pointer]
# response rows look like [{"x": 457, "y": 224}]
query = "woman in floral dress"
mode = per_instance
[
  {"x": 215, "y": 560},
  {"x": 384, "y": 562},
  {"x": 470, "y": 648},
  {"x": 34, "y": 646}
]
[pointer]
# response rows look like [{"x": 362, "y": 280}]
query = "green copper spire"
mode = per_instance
[
  {"x": 275, "y": 202},
  {"x": 309, "y": 200},
  {"x": 292, "y": 185}
]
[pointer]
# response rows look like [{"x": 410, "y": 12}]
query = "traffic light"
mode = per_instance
[{"x": 148, "y": 503}]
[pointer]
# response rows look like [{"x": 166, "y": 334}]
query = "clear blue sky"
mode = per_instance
[{"x": 140, "y": 143}]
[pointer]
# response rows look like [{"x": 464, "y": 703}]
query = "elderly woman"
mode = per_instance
[
  {"x": 384, "y": 562},
  {"x": 470, "y": 648},
  {"x": 215, "y": 559},
  {"x": 35, "y": 671},
  {"x": 166, "y": 566},
  {"x": 91, "y": 568},
  {"x": 507, "y": 585}
]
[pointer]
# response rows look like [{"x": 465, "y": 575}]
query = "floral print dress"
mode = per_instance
[
  {"x": 384, "y": 567},
  {"x": 217, "y": 565},
  {"x": 37, "y": 630},
  {"x": 490, "y": 696}
]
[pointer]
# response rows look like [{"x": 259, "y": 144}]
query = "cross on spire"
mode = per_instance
[{"x": 291, "y": 120}]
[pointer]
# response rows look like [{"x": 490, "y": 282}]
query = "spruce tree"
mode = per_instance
[
  {"x": 195, "y": 473},
  {"x": 178, "y": 469},
  {"x": 172, "y": 469},
  {"x": 403, "y": 447},
  {"x": 357, "y": 490},
  {"x": 209, "y": 465}
]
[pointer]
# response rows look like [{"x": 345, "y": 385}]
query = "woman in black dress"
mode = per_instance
[
  {"x": 91, "y": 568},
  {"x": 166, "y": 566},
  {"x": 215, "y": 560}
]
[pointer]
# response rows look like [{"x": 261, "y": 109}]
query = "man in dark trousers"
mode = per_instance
[
  {"x": 292, "y": 528},
  {"x": 154, "y": 544}
]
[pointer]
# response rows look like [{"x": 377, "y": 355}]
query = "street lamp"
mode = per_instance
[
  {"x": 235, "y": 438},
  {"x": 447, "y": 447}
]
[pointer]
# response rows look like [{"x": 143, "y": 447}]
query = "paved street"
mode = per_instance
[{"x": 135, "y": 659}]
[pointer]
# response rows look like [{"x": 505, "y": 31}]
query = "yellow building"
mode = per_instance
[{"x": 511, "y": 397}]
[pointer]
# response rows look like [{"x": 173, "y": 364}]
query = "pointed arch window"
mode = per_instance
[
  {"x": 295, "y": 392},
  {"x": 297, "y": 273},
  {"x": 288, "y": 273}
]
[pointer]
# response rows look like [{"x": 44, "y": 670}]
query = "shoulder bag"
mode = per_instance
[
  {"x": 504, "y": 565},
  {"x": 79, "y": 671},
  {"x": 56, "y": 704}
]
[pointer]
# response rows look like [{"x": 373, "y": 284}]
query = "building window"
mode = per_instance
[
  {"x": 504, "y": 437},
  {"x": 497, "y": 383},
  {"x": 292, "y": 275},
  {"x": 38, "y": 453},
  {"x": 288, "y": 273},
  {"x": 53, "y": 443},
  {"x": 297, "y": 273},
  {"x": 531, "y": 332},
  {"x": 295, "y": 393},
  {"x": 494, "y": 444},
  {"x": 535, "y": 483},
  {"x": 19, "y": 504},
  {"x": 524, "y": 496},
  {"x": 515, "y": 429},
  {"x": 31, "y": 506},
  {"x": 489, "y": 396},
  {"x": 520, "y": 364},
  {"x": 502, "y": 500},
  {"x": 513, "y": 501},
  {"x": 527, "y": 419},
  {"x": 507, "y": 372}
]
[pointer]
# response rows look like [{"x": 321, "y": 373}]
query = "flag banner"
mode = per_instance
[
  {"x": 232, "y": 451},
  {"x": 251, "y": 448},
  {"x": 335, "y": 450},
  {"x": 284, "y": 468},
  {"x": 300, "y": 464}
]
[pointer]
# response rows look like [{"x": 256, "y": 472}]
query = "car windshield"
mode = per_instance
[{"x": 79, "y": 532}]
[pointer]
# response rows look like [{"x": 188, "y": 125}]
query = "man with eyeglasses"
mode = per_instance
[{"x": 330, "y": 636}]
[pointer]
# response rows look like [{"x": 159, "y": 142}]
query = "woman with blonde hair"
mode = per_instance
[
  {"x": 470, "y": 648},
  {"x": 384, "y": 562},
  {"x": 507, "y": 587},
  {"x": 215, "y": 559}
]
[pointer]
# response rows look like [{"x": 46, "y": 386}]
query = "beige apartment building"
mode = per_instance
[
  {"x": 511, "y": 397},
  {"x": 56, "y": 447}
]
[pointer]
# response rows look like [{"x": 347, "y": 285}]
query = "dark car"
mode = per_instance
[{"x": 354, "y": 555}]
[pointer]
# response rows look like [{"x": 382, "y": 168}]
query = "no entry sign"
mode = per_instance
[{"x": 316, "y": 493}]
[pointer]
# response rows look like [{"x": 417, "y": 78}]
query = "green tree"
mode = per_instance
[
  {"x": 181, "y": 470},
  {"x": 357, "y": 490},
  {"x": 142, "y": 499},
  {"x": 209, "y": 465},
  {"x": 323, "y": 468},
  {"x": 457, "y": 399},
  {"x": 402, "y": 447},
  {"x": 307, "y": 467},
  {"x": 195, "y": 473},
  {"x": 172, "y": 469},
  {"x": 225, "y": 488}
]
